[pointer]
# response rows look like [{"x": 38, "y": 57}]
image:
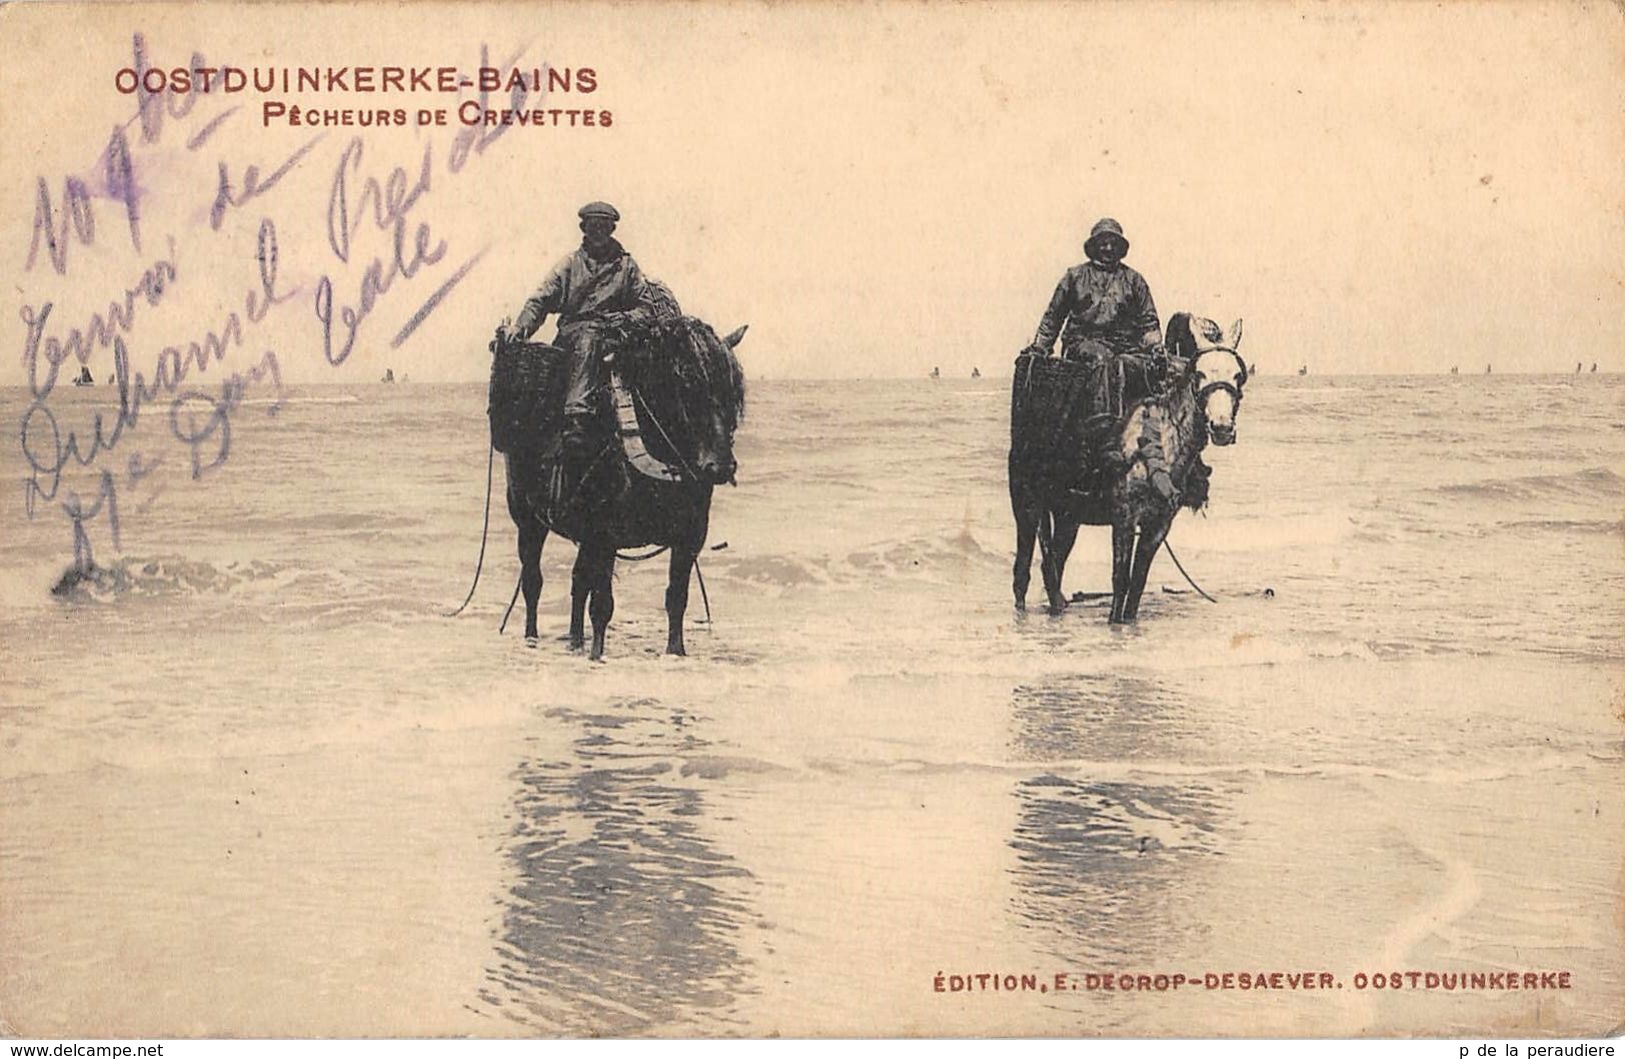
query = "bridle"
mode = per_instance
[
  {"x": 1232, "y": 388},
  {"x": 685, "y": 388}
]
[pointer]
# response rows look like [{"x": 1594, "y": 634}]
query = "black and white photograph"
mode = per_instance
[{"x": 812, "y": 520}]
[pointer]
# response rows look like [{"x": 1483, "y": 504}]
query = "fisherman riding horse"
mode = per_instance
[
  {"x": 616, "y": 435},
  {"x": 1105, "y": 435}
]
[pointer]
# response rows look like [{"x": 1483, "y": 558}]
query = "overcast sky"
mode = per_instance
[{"x": 878, "y": 188}]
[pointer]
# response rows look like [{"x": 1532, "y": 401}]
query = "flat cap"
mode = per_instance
[{"x": 599, "y": 209}]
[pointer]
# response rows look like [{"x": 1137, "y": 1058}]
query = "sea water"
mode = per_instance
[{"x": 253, "y": 780}]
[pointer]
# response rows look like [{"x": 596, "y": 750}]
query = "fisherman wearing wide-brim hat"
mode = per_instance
[
  {"x": 1103, "y": 312},
  {"x": 597, "y": 288},
  {"x": 1104, "y": 305}
]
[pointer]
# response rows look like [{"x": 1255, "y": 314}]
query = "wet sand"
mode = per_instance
[
  {"x": 647, "y": 866},
  {"x": 264, "y": 787}
]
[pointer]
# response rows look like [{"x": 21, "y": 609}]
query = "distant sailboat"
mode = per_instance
[
  {"x": 1577, "y": 366},
  {"x": 1488, "y": 369},
  {"x": 936, "y": 373},
  {"x": 84, "y": 378},
  {"x": 976, "y": 373},
  {"x": 1304, "y": 370},
  {"x": 1454, "y": 370},
  {"x": 389, "y": 375},
  {"x": 1593, "y": 367}
]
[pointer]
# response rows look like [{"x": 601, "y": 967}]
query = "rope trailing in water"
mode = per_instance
[
  {"x": 479, "y": 564},
  {"x": 703, "y": 596},
  {"x": 1193, "y": 584},
  {"x": 509, "y": 612}
]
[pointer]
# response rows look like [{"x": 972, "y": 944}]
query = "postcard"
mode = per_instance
[{"x": 824, "y": 519}]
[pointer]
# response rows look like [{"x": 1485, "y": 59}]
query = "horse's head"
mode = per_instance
[
  {"x": 1214, "y": 370},
  {"x": 693, "y": 385}
]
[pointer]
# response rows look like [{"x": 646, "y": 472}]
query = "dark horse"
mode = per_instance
[
  {"x": 1160, "y": 439},
  {"x": 676, "y": 394}
]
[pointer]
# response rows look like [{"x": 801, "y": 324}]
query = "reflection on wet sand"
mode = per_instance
[
  {"x": 1101, "y": 717},
  {"x": 624, "y": 918},
  {"x": 1108, "y": 861}
]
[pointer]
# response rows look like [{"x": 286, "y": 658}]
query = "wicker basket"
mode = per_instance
[
  {"x": 1048, "y": 403},
  {"x": 527, "y": 394}
]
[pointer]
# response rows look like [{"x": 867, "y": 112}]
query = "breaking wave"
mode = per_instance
[{"x": 1588, "y": 483}]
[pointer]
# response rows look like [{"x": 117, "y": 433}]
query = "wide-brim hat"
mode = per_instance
[
  {"x": 601, "y": 210},
  {"x": 1105, "y": 230}
]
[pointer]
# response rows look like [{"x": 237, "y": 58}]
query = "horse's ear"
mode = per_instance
[
  {"x": 1232, "y": 338},
  {"x": 736, "y": 335}
]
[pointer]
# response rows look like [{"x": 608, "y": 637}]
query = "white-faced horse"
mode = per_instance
[{"x": 1161, "y": 439}]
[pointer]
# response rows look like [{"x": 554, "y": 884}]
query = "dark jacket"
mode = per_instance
[
  {"x": 581, "y": 289},
  {"x": 1104, "y": 308}
]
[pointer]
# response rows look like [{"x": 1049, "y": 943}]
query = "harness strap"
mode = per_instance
[
  {"x": 1220, "y": 384},
  {"x": 631, "y": 434},
  {"x": 1223, "y": 384}
]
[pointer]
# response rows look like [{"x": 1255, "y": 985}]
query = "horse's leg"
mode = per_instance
[
  {"x": 1066, "y": 535},
  {"x": 682, "y": 566},
  {"x": 1027, "y": 513},
  {"x": 602, "y": 603},
  {"x": 1122, "y": 556},
  {"x": 1026, "y": 536},
  {"x": 1151, "y": 538},
  {"x": 522, "y": 480},
  {"x": 580, "y": 588},
  {"x": 532, "y": 535},
  {"x": 1047, "y": 562},
  {"x": 694, "y": 523}
]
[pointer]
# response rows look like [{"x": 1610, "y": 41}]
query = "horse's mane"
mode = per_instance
[
  {"x": 1180, "y": 340},
  {"x": 672, "y": 357}
]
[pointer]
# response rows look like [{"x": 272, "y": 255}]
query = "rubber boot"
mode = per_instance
[{"x": 575, "y": 455}]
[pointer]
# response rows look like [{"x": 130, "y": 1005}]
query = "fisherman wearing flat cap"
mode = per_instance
[
  {"x": 595, "y": 289},
  {"x": 1104, "y": 315}
]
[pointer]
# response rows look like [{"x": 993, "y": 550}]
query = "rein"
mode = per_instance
[
  {"x": 673, "y": 476},
  {"x": 625, "y": 399}
]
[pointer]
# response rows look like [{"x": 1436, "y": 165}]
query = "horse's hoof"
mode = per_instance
[
  {"x": 532, "y": 641},
  {"x": 1021, "y": 606},
  {"x": 676, "y": 652},
  {"x": 576, "y": 646}
]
